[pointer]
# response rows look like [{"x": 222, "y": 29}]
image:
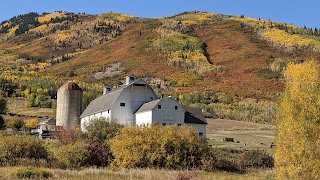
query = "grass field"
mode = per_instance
[
  {"x": 249, "y": 135},
  {"x": 17, "y": 106},
  {"x": 142, "y": 174}
]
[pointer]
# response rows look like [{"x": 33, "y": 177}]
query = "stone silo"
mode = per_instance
[{"x": 69, "y": 105}]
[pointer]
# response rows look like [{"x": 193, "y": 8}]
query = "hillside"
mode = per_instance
[{"x": 189, "y": 52}]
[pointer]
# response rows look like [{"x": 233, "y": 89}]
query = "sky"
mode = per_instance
[{"x": 297, "y": 12}]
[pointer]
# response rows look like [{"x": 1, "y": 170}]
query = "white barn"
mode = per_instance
[{"x": 136, "y": 103}]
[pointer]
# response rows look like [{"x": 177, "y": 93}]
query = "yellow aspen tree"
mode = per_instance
[{"x": 297, "y": 154}]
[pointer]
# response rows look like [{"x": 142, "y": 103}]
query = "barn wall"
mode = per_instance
[
  {"x": 144, "y": 118},
  {"x": 201, "y": 128},
  {"x": 167, "y": 114},
  {"x": 133, "y": 96},
  {"x": 86, "y": 120}
]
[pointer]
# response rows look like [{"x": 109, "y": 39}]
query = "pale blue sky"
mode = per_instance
[{"x": 297, "y": 12}]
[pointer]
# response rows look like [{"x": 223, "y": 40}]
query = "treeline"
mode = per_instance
[
  {"x": 219, "y": 105},
  {"x": 24, "y": 23}
]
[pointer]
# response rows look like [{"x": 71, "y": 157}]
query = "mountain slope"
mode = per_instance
[{"x": 192, "y": 51}]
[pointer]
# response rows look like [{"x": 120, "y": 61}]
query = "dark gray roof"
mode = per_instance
[
  {"x": 102, "y": 103},
  {"x": 194, "y": 115},
  {"x": 49, "y": 121},
  {"x": 148, "y": 106}
]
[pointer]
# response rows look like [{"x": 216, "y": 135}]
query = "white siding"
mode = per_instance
[
  {"x": 86, "y": 120},
  {"x": 133, "y": 96},
  {"x": 168, "y": 114},
  {"x": 144, "y": 118},
  {"x": 201, "y": 128}
]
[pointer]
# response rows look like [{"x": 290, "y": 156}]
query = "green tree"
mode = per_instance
[
  {"x": 88, "y": 97},
  {"x": 297, "y": 153},
  {"x": 101, "y": 129}
]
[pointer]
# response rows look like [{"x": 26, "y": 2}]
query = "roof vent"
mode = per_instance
[
  {"x": 106, "y": 89},
  {"x": 130, "y": 79}
]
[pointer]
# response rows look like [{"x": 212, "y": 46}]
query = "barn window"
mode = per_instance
[
  {"x": 179, "y": 124},
  {"x": 122, "y": 104},
  {"x": 176, "y": 107},
  {"x": 163, "y": 124},
  {"x": 159, "y": 106},
  {"x": 201, "y": 134},
  {"x": 108, "y": 111}
]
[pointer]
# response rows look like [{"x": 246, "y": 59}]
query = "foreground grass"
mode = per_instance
[{"x": 152, "y": 174}]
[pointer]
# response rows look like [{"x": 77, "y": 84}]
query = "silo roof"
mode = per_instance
[{"x": 71, "y": 86}]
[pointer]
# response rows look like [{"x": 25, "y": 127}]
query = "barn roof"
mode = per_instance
[
  {"x": 105, "y": 101},
  {"x": 49, "y": 121},
  {"x": 102, "y": 103},
  {"x": 148, "y": 106},
  {"x": 194, "y": 115}
]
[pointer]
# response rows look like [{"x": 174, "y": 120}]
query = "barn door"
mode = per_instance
[{"x": 167, "y": 114}]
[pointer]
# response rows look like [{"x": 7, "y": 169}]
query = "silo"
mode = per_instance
[{"x": 69, "y": 105}]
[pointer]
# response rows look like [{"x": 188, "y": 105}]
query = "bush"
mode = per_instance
[
  {"x": 32, "y": 123},
  {"x": 13, "y": 148},
  {"x": 162, "y": 147},
  {"x": 233, "y": 160},
  {"x": 268, "y": 73},
  {"x": 29, "y": 172},
  {"x": 98, "y": 133},
  {"x": 15, "y": 123},
  {"x": 101, "y": 130},
  {"x": 69, "y": 136},
  {"x": 2, "y": 123},
  {"x": 100, "y": 155},
  {"x": 74, "y": 155},
  {"x": 255, "y": 159},
  {"x": 227, "y": 165},
  {"x": 3, "y": 104}
]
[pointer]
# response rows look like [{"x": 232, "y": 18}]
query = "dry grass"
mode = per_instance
[
  {"x": 250, "y": 135},
  {"x": 142, "y": 174},
  {"x": 18, "y": 106}
]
